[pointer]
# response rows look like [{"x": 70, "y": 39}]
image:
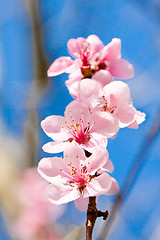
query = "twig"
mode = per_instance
[{"x": 92, "y": 214}]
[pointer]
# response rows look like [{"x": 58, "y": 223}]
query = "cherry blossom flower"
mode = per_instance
[
  {"x": 114, "y": 98},
  {"x": 78, "y": 125},
  {"x": 36, "y": 212},
  {"x": 92, "y": 60},
  {"x": 76, "y": 177}
]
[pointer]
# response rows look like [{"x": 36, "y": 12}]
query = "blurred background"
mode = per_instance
[{"x": 33, "y": 33}]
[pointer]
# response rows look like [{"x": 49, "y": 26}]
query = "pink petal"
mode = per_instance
[
  {"x": 117, "y": 93},
  {"x": 126, "y": 115},
  {"x": 120, "y": 68},
  {"x": 98, "y": 185},
  {"x": 95, "y": 103},
  {"x": 108, "y": 166},
  {"x": 88, "y": 88},
  {"x": 74, "y": 153},
  {"x": 139, "y": 118},
  {"x": 54, "y": 147},
  {"x": 75, "y": 45},
  {"x": 49, "y": 168},
  {"x": 111, "y": 51},
  {"x": 77, "y": 112},
  {"x": 73, "y": 88},
  {"x": 75, "y": 76},
  {"x": 52, "y": 126},
  {"x": 103, "y": 76},
  {"x": 105, "y": 124},
  {"x": 59, "y": 66},
  {"x": 81, "y": 203},
  {"x": 114, "y": 188},
  {"x": 95, "y": 43},
  {"x": 97, "y": 160},
  {"x": 96, "y": 139},
  {"x": 62, "y": 193}
]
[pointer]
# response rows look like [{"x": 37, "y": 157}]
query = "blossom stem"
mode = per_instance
[{"x": 92, "y": 214}]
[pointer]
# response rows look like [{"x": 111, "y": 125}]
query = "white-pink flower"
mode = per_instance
[
  {"x": 76, "y": 177},
  {"x": 93, "y": 60},
  {"x": 114, "y": 98},
  {"x": 79, "y": 125}
]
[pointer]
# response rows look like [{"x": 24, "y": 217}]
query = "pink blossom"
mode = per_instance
[
  {"x": 78, "y": 125},
  {"x": 76, "y": 177},
  {"x": 36, "y": 211},
  {"x": 93, "y": 60},
  {"x": 114, "y": 98}
]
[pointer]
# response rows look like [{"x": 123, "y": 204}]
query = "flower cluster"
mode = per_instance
[{"x": 101, "y": 107}]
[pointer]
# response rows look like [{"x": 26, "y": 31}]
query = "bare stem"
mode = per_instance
[{"x": 92, "y": 214}]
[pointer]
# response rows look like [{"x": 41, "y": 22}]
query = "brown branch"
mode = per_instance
[{"x": 92, "y": 214}]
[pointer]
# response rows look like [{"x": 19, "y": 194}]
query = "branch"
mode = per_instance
[{"x": 92, "y": 214}]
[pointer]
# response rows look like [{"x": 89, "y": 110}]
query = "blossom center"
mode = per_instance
[
  {"x": 106, "y": 107},
  {"x": 79, "y": 178},
  {"x": 80, "y": 135},
  {"x": 79, "y": 132},
  {"x": 85, "y": 54}
]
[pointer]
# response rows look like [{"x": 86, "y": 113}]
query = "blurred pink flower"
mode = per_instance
[
  {"x": 76, "y": 177},
  {"x": 114, "y": 98},
  {"x": 37, "y": 212},
  {"x": 78, "y": 125},
  {"x": 93, "y": 60}
]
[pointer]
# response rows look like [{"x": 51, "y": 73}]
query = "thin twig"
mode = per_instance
[{"x": 92, "y": 214}]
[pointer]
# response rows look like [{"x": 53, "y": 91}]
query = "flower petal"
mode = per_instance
[
  {"x": 74, "y": 46},
  {"x": 97, "y": 160},
  {"x": 52, "y": 126},
  {"x": 121, "y": 68},
  {"x": 77, "y": 112},
  {"x": 53, "y": 168},
  {"x": 105, "y": 124},
  {"x": 49, "y": 168},
  {"x": 117, "y": 93},
  {"x": 96, "y": 139},
  {"x": 88, "y": 88},
  {"x": 95, "y": 43},
  {"x": 98, "y": 185},
  {"x": 139, "y": 118},
  {"x": 81, "y": 203},
  {"x": 126, "y": 115},
  {"x": 111, "y": 51},
  {"x": 108, "y": 166},
  {"x": 73, "y": 88},
  {"x": 61, "y": 193},
  {"x": 54, "y": 147},
  {"x": 60, "y": 65},
  {"x": 114, "y": 188},
  {"x": 74, "y": 153},
  {"x": 103, "y": 76}
]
